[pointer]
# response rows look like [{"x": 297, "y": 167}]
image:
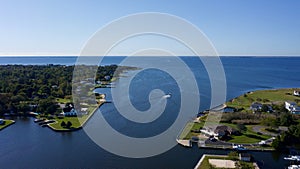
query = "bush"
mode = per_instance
[
  {"x": 63, "y": 124},
  {"x": 69, "y": 124},
  {"x": 241, "y": 127}
]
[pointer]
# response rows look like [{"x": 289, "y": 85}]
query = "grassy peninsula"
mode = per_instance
[
  {"x": 258, "y": 120},
  {"x": 5, "y": 123}
]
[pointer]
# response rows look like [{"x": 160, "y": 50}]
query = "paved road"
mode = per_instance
[{"x": 259, "y": 128}]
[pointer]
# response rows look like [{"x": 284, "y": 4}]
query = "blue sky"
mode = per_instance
[{"x": 235, "y": 27}]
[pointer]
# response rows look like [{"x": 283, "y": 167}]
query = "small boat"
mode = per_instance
[
  {"x": 292, "y": 158},
  {"x": 38, "y": 120},
  {"x": 239, "y": 147},
  {"x": 46, "y": 122},
  {"x": 167, "y": 95},
  {"x": 294, "y": 167}
]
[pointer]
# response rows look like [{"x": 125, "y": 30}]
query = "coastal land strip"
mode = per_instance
[{"x": 250, "y": 121}]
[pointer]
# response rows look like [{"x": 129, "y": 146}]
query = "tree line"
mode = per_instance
[{"x": 25, "y": 88}]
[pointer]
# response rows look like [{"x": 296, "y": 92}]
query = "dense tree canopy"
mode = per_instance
[{"x": 26, "y": 88}]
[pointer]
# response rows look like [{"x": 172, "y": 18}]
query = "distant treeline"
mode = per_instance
[{"x": 25, "y": 88}]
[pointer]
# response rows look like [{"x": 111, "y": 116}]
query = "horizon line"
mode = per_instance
[{"x": 73, "y": 55}]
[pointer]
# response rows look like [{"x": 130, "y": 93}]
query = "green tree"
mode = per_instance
[
  {"x": 286, "y": 119},
  {"x": 241, "y": 127},
  {"x": 63, "y": 124},
  {"x": 277, "y": 144},
  {"x": 69, "y": 124}
]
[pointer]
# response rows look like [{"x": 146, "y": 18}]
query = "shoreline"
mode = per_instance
[
  {"x": 82, "y": 124},
  {"x": 12, "y": 122},
  {"x": 271, "y": 95}
]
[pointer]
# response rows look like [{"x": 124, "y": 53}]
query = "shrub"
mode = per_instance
[
  {"x": 69, "y": 124},
  {"x": 63, "y": 124}
]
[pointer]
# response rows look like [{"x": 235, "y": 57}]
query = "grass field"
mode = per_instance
[
  {"x": 244, "y": 101},
  {"x": 263, "y": 96},
  {"x": 6, "y": 123},
  {"x": 76, "y": 121},
  {"x": 63, "y": 100},
  {"x": 187, "y": 131},
  {"x": 249, "y": 136}
]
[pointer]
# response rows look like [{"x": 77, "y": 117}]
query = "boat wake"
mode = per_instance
[{"x": 167, "y": 96}]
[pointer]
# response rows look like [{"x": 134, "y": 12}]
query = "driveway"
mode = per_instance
[{"x": 259, "y": 128}]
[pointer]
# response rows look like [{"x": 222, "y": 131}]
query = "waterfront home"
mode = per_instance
[
  {"x": 223, "y": 131},
  {"x": 292, "y": 107},
  {"x": 229, "y": 110},
  {"x": 107, "y": 78},
  {"x": 245, "y": 157},
  {"x": 289, "y": 105},
  {"x": 255, "y": 106},
  {"x": 296, "y": 93},
  {"x": 69, "y": 111}
]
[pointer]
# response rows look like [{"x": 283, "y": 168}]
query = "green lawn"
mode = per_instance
[
  {"x": 63, "y": 100},
  {"x": 230, "y": 125},
  {"x": 187, "y": 131},
  {"x": 76, "y": 121},
  {"x": 263, "y": 96},
  {"x": 6, "y": 123},
  {"x": 248, "y": 136}
]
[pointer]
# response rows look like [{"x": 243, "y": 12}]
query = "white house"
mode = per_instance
[
  {"x": 292, "y": 107},
  {"x": 1, "y": 121},
  {"x": 72, "y": 112},
  {"x": 289, "y": 105},
  {"x": 296, "y": 93}
]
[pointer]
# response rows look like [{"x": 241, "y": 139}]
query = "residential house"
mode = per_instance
[
  {"x": 289, "y": 105},
  {"x": 292, "y": 107},
  {"x": 255, "y": 106},
  {"x": 296, "y": 93},
  {"x": 107, "y": 77},
  {"x": 222, "y": 131},
  {"x": 69, "y": 111}
]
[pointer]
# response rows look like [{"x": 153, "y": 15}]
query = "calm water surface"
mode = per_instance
[{"x": 27, "y": 145}]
